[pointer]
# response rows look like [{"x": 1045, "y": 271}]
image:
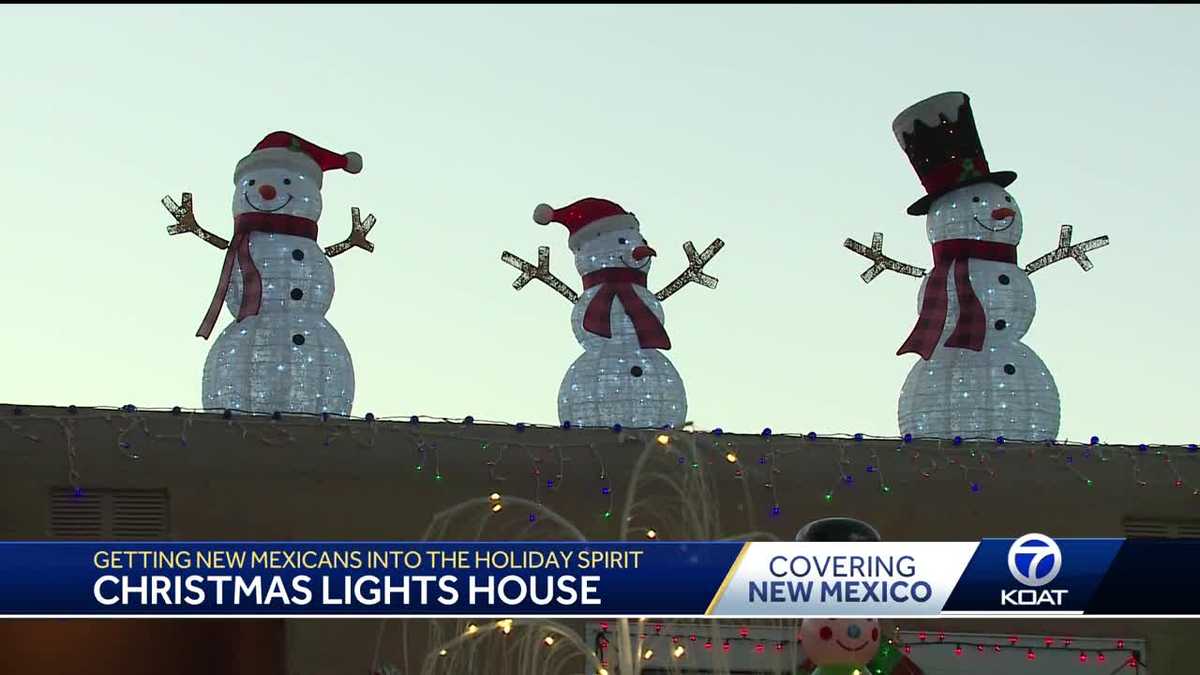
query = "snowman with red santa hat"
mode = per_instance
[
  {"x": 280, "y": 354},
  {"x": 622, "y": 377}
]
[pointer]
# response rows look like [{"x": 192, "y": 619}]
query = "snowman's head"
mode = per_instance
[
  {"x": 983, "y": 211},
  {"x": 834, "y": 642},
  {"x": 624, "y": 247},
  {"x": 286, "y": 189}
]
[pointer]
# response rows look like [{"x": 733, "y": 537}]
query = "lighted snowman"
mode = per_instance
[
  {"x": 280, "y": 354},
  {"x": 622, "y": 377},
  {"x": 976, "y": 378}
]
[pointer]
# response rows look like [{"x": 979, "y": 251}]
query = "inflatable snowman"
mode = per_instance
[
  {"x": 839, "y": 646},
  {"x": 976, "y": 378},
  {"x": 622, "y": 377},
  {"x": 280, "y": 354}
]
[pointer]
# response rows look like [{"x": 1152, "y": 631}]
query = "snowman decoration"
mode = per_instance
[
  {"x": 975, "y": 379},
  {"x": 280, "y": 354},
  {"x": 622, "y": 377},
  {"x": 839, "y": 646}
]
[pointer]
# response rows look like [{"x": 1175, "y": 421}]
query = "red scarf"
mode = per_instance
[
  {"x": 618, "y": 282},
  {"x": 239, "y": 249},
  {"x": 971, "y": 327}
]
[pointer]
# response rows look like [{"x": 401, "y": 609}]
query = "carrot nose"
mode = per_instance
[
  {"x": 643, "y": 252},
  {"x": 1002, "y": 213},
  {"x": 267, "y": 191}
]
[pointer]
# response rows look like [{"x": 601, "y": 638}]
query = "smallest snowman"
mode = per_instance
[{"x": 839, "y": 646}]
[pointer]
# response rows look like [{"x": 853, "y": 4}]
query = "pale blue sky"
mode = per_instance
[{"x": 766, "y": 126}]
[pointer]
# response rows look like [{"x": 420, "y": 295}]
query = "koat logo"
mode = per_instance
[{"x": 1034, "y": 560}]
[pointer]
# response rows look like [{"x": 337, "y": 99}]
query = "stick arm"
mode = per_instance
[
  {"x": 541, "y": 272},
  {"x": 874, "y": 253},
  {"x": 359, "y": 229},
  {"x": 185, "y": 221},
  {"x": 695, "y": 269},
  {"x": 1067, "y": 250}
]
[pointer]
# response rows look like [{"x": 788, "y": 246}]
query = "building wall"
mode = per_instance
[{"x": 294, "y": 479}]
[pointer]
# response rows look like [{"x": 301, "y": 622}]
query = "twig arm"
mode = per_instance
[
  {"x": 359, "y": 229},
  {"x": 874, "y": 253},
  {"x": 695, "y": 269},
  {"x": 1067, "y": 250},
  {"x": 185, "y": 221},
  {"x": 541, "y": 272}
]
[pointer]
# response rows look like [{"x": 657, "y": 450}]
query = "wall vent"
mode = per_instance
[
  {"x": 98, "y": 513},
  {"x": 1161, "y": 528}
]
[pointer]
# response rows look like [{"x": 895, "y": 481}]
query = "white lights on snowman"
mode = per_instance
[
  {"x": 280, "y": 354},
  {"x": 975, "y": 379},
  {"x": 622, "y": 377}
]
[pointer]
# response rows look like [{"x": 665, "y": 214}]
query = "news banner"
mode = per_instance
[{"x": 1033, "y": 575}]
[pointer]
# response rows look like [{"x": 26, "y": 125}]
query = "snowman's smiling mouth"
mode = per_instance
[
  {"x": 262, "y": 210},
  {"x": 850, "y": 649},
  {"x": 1007, "y": 224}
]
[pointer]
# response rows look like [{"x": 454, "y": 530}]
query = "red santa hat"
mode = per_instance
[
  {"x": 280, "y": 148},
  {"x": 587, "y": 218}
]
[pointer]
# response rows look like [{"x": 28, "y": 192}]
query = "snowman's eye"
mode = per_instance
[
  {"x": 287, "y": 181},
  {"x": 622, "y": 241},
  {"x": 250, "y": 182},
  {"x": 1008, "y": 199},
  {"x": 975, "y": 199}
]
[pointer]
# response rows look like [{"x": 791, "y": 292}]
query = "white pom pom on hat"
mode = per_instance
[
  {"x": 543, "y": 214},
  {"x": 353, "y": 162}
]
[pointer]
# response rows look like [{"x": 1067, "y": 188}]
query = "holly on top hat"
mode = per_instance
[
  {"x": 280, "y": 148},
  {"x": 586, "y": 218},
  {"x": 940, "y": 139}
]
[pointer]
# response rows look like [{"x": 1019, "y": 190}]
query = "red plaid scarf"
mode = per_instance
[
  {"x": 618, "y": 282},
  {"x": 239, "y": 249},
  {"x": 971, "y": 327}
]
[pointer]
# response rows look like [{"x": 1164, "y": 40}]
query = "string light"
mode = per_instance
[
  {"x": 648, "y": 654},
  {"x": 549, "y": 640},
  {"x": 975, "y": 460},
  {"x": 663, "y": 439},
  {"x": 678, "y": 651},
  {"x": 651, "y": 534}
]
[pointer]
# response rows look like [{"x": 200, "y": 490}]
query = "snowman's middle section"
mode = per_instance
[
  {"x": 615, "y": 380},
  {"x": 1003, "y": 390},
  {"x": 287, "y": 357}
]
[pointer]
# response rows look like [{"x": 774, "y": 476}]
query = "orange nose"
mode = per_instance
[
  {"x": 1002, "y": 213},
  {"x": 643, "y": 252},
  {"x": 267, "y": 191}
]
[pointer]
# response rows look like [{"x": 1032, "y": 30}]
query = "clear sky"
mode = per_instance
[{"x": 767, "y": 126}]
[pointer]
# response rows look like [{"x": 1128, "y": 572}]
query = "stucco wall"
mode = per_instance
[{"x": 255, "y": 478}]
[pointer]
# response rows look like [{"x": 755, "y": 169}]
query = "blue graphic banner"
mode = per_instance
[{"x": 1034, "y": 575}]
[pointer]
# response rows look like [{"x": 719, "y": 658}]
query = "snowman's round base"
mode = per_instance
[
  {"x": 617, "y": 384},
  {"x": 256, "y": 365},
  {"x": 1004, "y": 390}
]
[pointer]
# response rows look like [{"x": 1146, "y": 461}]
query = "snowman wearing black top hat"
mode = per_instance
[{"x": 975, "y": 379}]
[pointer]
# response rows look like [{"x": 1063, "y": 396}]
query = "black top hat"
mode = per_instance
[
  {"x": 940, "y": 139},
  {"x": 837, "y": 529}
]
